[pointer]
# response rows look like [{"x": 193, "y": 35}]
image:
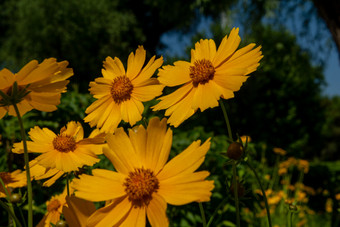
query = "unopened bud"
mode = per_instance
[
  {"x": 15, "y": 198},
  {"x": 235, "y": 151},
  {"x": 61, "y": 223}
]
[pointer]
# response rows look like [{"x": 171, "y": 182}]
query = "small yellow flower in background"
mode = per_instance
[
  {"x": 209, "y": 76},
  {"x": 120, "y": 93},
  {"x": 46, "y": 81},
  {"x": 15, "y": 179},
  {"x": 77, "y": 211},
  {"x": 54, "y": 209},
  {"x": 245, "y": 139},
  {"x": 337, "y": 196},
  {"x": 67, "y": 151},
  {"x": 303, "y": 165},
  {"x": 279, "y": 151},
  {"x": 329, "y": 205},
  {"x": 144, "y": 183}
]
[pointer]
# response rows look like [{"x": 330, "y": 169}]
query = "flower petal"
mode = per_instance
[
  {"x": 131, "y": 111},
  {"x": 147, "y": 93},
  {"x": 186, "y": 188},
  {"x": 204, "y": 49},
  {"x": 187, "y": 161},
  {"x": 112, "y": 215},
  {"x": 121, "y": 152},
  {"x": 156, "y": 211},
  {"x": 148, "y": 71},
  {"x": 175, "y": 75},
  {"x": 227, "y": 47},
  {"x": 77, "y": 211},
  {"x": 206, "y": 96},
  {"x": 159, "y": 141},
  {"x": 103, "y": 185},
  {"x": 244, "y": 58},
  {"x": 135, "y": 63},
  {"x": 113, "y": 68},
  {"x": 136, "y": 218}
]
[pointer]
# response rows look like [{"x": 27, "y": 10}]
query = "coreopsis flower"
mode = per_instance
[
  {"x": 77, "y": 211},
  {"x": 144, "y": 183},
  {"x": 15, "y": 179},
  {"x": 120, "y": 93},
  {"x": 68, "y": 151},
  {"x": 209, "y": 76},
  {"x": 54, "y": 209},
  {"x": 39, "y": 86},
  {"x": 39, "y": 172}
]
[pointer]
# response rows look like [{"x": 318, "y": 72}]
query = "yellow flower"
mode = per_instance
[
  {"x": 209, "y": 76},
  {"x": 144, "y": 183},
  {"x": 15, "y": 179},
  {"x": 54, "y": 209},
  {"x": 46, "y": 81},
  {"x": 67, "y": 151},
  {"x": 337, "y": 196},
  {"x": 120, "y": 93},
  {"x": 77, "y": 211},
  {"x": 279, "y": 151},
  {"x": 303, "y": 165}
]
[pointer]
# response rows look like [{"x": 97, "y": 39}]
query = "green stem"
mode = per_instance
[
  {"x": 68, "y": 184},
  {"x": 7, "y": 197},
  {"x": 204, "y": 221},
  {"x": 215, "y": 212},
  {"x": 226, "y": 119},
  {"x": 28, "y": 175},
  {"x": 10, "y": 212},
  {"x": 21, "y": 215},
  {"x": 263, "y": 192},
  {"x": 291, "y": 218},
  {"x": 236, "y": 195}
]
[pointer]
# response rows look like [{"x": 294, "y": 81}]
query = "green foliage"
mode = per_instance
[{"x": 85, "y": 34}]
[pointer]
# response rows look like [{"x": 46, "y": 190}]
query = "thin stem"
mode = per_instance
[
  {"x": 204, "y": 221},
  {"x": 28, "y": 175},
  {"x": 263, "y": 192},
  {"x": 7, "y": 197},
  {"x": 68, "y": 184},
  {"x": 215, "y": 212},
  {"x": 291, "y": 218},
  {"x": 11, "y": 213},
  {"x": 236, "y": 195},
  {"x": 226, "y": 119},
  {"x": 21, "y": 215}
]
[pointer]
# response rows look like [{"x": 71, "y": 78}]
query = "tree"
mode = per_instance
[{"x": 86, "y": 33}]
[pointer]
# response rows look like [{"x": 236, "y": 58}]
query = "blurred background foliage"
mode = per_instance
[{"x": 281, "y": 104}]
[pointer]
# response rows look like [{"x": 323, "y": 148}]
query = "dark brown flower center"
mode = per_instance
[
  {"x": 121, "y": 89},
  {"x": 64, "y": 143},
  {"x": 53, "y": 205},
  {"x": 140, "y": 185},
  {"x": 201, "y": 72},
  {"x": 6, "y": 178}
]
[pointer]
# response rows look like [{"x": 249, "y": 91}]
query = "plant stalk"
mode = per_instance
[
  {"x": 204, "y": 221},
  {"x": 263, "y": 192},
  {"x": 28, "y": 175},
  {"x": 238, "y": 221}
]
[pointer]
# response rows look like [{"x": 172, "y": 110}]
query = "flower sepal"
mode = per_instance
[{"x": 15, "y": 96}]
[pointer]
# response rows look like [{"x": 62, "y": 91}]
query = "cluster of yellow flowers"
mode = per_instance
[{"x": 144, "y": 182}]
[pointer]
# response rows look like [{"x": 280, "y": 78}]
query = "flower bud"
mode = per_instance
[
  {"x": 15, "y": 198},
  {"x": 235, "y": 151},
  {"x": 61, "y": 223}
]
